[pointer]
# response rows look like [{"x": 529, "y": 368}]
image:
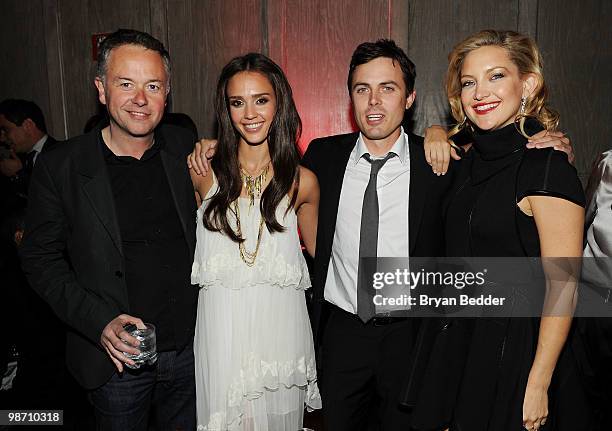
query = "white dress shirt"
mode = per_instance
[
  {"x": 393, "y": 185},
  {"x": 38, "y": 146}
]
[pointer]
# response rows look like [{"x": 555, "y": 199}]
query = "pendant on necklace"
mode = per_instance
[{"x": 254, "y": 185}]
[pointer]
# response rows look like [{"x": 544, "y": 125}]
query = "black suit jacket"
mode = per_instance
[
  {"x": 50, "y": 143},
  {"x": 71, "y": 250},
  {"x": 15, "y": 190},
  {"x": 327, "y": 158}
]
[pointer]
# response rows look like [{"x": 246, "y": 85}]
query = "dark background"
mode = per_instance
[{"x": 45, "y": 53}]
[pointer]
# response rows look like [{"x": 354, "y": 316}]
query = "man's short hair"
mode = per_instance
[
  {"x": 387, "y": 48},
  {"x": 129, "y": 37},
  {"x": 18, "y": 110}
]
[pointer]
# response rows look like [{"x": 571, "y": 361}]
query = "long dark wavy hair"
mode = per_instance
[{"x": 283, "y": 135}]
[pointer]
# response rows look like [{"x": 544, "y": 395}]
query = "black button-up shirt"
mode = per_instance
[{"x": 157, "y": 262}]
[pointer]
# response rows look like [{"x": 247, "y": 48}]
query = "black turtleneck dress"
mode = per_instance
[{"x": 484, "y": 220}]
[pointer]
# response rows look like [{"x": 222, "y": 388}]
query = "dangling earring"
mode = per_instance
[
  {"x": 464, "y": 123},
  {"x": 523, "y": 104}
]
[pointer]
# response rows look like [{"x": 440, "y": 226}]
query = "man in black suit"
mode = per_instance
[
  {"x": 109, "y": 241},
  {"x": 40, "y": 373},
  {"x": 23, "y": 127},
  {"x": 365, "y": 358}
]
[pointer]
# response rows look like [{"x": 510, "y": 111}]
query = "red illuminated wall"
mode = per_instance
[{"x": 313, "y": 42}]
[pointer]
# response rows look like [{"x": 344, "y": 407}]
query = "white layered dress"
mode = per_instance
[{"x": 254, "y": 356}]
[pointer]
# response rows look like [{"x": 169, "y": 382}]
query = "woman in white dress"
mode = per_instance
[{"x": 254, "y": 355}]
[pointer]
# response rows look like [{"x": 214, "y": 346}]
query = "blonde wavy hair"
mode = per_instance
[{"x": 524, "y": 53}]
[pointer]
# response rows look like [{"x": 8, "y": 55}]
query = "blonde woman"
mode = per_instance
[{"x": 512, "y": 202}]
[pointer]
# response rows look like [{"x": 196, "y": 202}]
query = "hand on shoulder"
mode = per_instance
[
  {"x": 439, "y": 149},
  {"x": 199, "y": 159},
  {"x": 557, "y": 140}
]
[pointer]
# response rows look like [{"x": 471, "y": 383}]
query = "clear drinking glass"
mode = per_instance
[{"x": 148, "y": 346}]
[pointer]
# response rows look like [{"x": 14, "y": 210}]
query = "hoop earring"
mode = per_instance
[
  {"x": 465, "y": 123},
  {"x": 523, "y": 104}
]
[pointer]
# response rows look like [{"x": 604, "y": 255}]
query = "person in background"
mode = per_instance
[
  {"x": 24, "y": 130},
  {"x": 41, "y": 380},
  {"x": 13, "y": 306},
  {"x": 596, "y": 332}
]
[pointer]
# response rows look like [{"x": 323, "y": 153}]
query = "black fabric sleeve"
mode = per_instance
[
  {"x": 44, "y": 262},
  {"x": 309, "y": 158},
  {"x": 548, "y": 173}
]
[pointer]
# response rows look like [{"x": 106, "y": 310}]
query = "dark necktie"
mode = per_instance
[
  {"x": 26, "y": 171},
  {"x": 368, "y": 242},
  {"x": 28, "y": 163}
]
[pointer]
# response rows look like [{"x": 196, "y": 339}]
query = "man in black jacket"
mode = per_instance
[
  {"x": 365, "y": 357},
  {"x": 109, "y": 241},
  {"x": 23, "y": 127},
  {"x": 40, "y": 372}
]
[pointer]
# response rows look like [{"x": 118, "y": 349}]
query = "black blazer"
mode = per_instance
[
  {"x": 71, "y": 249},
  {"x": 50, "y": 143},
  {"x": 17, "y": 191},
  {"x": 327, "y": 158}
]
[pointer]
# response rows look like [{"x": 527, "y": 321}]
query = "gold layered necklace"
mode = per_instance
[
  {"x": 247, "y": 257},
  {"x": 254, "y": 188},
  {"x": 253, "y": 185}
]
